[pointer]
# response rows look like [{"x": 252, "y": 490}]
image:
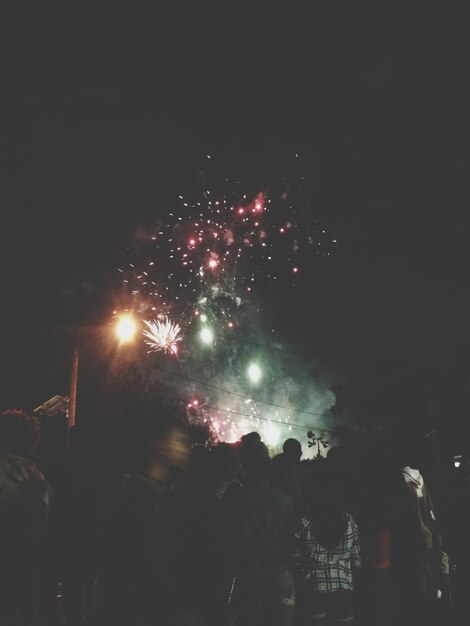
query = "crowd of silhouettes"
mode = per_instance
[{"x": 157, "y": 529}]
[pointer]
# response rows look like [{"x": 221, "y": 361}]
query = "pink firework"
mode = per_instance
[{"x": 163, "y": 336}]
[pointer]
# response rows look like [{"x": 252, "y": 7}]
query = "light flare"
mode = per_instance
[{"x": 126, "y": 328}]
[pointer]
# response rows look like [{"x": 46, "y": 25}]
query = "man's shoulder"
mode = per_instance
[
  {"x": 15, "y": 470},
  {"x": 20, "y": 479}
]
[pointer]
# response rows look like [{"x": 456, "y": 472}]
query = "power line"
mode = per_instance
[
  {"x": 231, "y": 412},
  {"x": 265, "y": 419},
  {"x": 239, "y": 395}
]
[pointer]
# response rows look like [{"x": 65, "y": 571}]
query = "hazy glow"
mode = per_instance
[
  {"x": 126, "y": 328},
  {"x": 271, "y": 434},
  {"x": 254, "y": 373},
  {"x": 206, "y": 335}
]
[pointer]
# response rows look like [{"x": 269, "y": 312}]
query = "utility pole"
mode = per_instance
[
  {"x": 73, "y": 391},
  {"x": 125, "y": 330}
]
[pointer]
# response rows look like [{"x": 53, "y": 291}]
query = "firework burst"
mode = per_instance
[
  {"x": 163, "y": 335},
  {"x": 215, "y": 261},
  {"x": 225, "y": 237}
]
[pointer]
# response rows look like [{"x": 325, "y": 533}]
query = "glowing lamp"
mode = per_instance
[{"x": 126, "y": 328}]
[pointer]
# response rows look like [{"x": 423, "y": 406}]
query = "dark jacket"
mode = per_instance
[
  {"x": 137, "y": 571},
  {"x": 265, "y": 536}
]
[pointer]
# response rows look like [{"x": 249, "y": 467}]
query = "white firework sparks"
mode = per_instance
[{"x": 163, "y": 335}]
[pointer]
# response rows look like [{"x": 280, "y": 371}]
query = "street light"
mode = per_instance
[{"x": 125, "y": 329}]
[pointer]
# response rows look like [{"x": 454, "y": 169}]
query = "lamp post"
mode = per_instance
[
  {"x": 125, "y": 329},
  {"x": 73, "y": 391}
]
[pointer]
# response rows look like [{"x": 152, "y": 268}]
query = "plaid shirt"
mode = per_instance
[{"x": 327, "y": 570}]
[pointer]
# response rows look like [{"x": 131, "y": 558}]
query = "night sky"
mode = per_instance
[{"x": 107, "y": 118}]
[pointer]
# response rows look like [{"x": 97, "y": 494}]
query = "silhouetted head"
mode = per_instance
[
  {"x": 19, "y": 432},
  {"x": 255, "y": 458},
  {"x": 252, "y": 436},
  {"x": 292, "y": 448},
  {"x": 325, "y": 507}
]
